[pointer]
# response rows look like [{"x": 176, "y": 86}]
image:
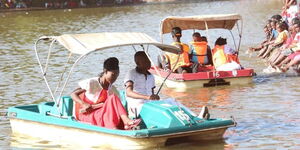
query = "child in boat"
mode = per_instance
[
  {"x": 139, "y": 86},
  {"x": 224, "y": 57},
  {"x": 97, "y": 100},
  {"x": 281, "y": 38},
  {"x": 183, "y": 65},
  {"x": 199, "y": 50}
]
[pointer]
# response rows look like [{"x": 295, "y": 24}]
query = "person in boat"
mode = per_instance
[
  {"x": 139, "y": 86},
  {"x": 184, "y": 64},
  {"x": 224, "y": 57},
  {"x": 199, "y": 50},
  {"x": 97, "y": 101}
]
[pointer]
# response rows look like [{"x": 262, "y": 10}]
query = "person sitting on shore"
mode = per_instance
[
  {"x": 295, "y": 60},
  {"x": 224, "y": 57},
  {"x": 97, "y": 101},
  {"x": 277, "y": 57},
  {"x": 273, "y": 36},
  {"x": 267, "y": 31},
  {"x": 290, "y": 10},
  {"x": 281, "y": 38}
]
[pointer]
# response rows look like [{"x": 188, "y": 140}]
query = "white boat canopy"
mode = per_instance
[
  {"x": 86, "y": 43},
  {"x": 203, "y": 22}
]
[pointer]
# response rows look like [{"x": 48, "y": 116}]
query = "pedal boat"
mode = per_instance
[
  {"x": 161, "y": 123},
  {"x": 207, "y": 75}
]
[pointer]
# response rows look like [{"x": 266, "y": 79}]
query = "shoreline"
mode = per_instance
[{"x": 43, "y": 8}]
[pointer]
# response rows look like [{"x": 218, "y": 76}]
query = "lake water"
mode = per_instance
[{"x": 267, "y": 111}]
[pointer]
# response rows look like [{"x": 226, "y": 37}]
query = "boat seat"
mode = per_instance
[
  {"x": 122, "y": 95},
  {"x": 65, "y": 107}
]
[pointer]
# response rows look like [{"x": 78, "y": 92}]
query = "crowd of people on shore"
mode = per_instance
[
  {"x": 281, "y": 47},
  {"x": 57, "y": 4}
]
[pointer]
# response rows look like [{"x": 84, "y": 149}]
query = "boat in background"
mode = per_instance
[
  {"x": 207, "y": 75},
  {"x": 161, "y": 122}
]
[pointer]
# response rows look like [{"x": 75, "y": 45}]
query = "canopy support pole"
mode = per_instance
[
  {"x": 233, "y": 39},
  {"x": 62, "y": 74},
  {"x": 68, "y": 77},
  {"x": 178, "y": 56},
  {"x": 240, "y": 35},
  {"x": 42, "y": 70}
]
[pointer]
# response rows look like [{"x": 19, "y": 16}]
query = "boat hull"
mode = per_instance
[
  {"x": 205, "y": 78},
  {"x": 89, "y": 138},
  {"x": 180, "y": 85}
]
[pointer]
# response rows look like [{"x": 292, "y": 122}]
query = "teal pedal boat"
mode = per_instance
[{"x": 161, "y": 122}]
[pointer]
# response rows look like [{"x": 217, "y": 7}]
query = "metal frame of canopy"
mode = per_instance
[
  {"x": 203, "y": 22},
  {"x": 85, "y": 44}
]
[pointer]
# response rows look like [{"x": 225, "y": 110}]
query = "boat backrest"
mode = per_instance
[{"x": 65, "y": 107}]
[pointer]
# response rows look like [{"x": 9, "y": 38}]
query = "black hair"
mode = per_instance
[
  {"x": 269, "y": 21},
  {"x": 139, "y": 54},
  {"x": 176, "y": 32},
  {"x": 203, "y": 38},
  {"x": 283, "y": 25},
  {"x": 298, "y": 23},
  {"x": 276, "y": 17},
  {"x": 295, "y": 20},
  {"x": 196, "y": 34},
  {"x": 221, "y": 41},
  {"x": 111, "y": 63}
]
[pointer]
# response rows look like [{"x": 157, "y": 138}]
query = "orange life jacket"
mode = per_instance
[
  {"x": 201, "y": 50},
  {"x": 219, "y": 56},
  {"x": 183, "y": 61}
]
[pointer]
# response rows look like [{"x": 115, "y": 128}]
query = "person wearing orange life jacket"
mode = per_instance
[
  {"x": 184, "y": 65},
  {"x": 199, "y": 50},
  {"x": 224, "y": 57}
]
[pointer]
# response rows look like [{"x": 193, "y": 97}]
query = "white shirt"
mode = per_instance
[
  {"x": 92, "y": 87},
  {"x": 142, "y": 85}
]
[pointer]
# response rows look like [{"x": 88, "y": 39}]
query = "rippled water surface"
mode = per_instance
[{"x": 267, "y": 111}]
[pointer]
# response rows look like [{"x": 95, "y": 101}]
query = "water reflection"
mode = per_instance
[{"x": 212, "y": 97}]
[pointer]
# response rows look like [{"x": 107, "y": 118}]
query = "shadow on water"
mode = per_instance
[{"x": 270, "y": 77}]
